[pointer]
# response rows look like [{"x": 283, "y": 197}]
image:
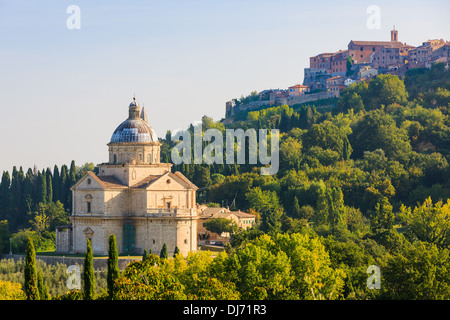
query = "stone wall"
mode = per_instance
[
  {"x": 289, "y": 101},
  {"x": 99, "y": 263}
]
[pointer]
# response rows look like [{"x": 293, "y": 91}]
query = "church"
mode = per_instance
[{"x": 133, "y": 196}]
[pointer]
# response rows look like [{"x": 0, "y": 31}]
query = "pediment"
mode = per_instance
[
  {"x": 170, "y": 181},
  {"x": 89, "y": 181}
]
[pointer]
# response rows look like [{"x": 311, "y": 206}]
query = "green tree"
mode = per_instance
[
  {"x": 350, "y": 101},
  {"x": 336, "y": 208},
  {"x": 202, "y": 176},
  {"x": 64, "y": 186},
  {"x": 290, "y": 153},
  {"x": 354, "y": 97},
  {"x": 267, "y": 203},
  {"x": 377, "y": 130},
  {"x": 346, "y": 149},
  {"x": 113, "y": 264},
  {"x": 349, "y": 64},
  {"x": 30, "y": 273},
  {"x": 386, "y": 89},
  {"x": 49, "y": 184},
  {"x": 145, "y": 255},
  {"x": 259, "y": 273},
  {"x": 321, "y": 216},
  {"x": 220, "y": 225},
  {"x": 41, "y": 188},
  {"x": 42, "y": 287},
  {"x": 383, "y": 220},
  {"x": 429, "y": 222},
  {"x": 417, "y": 272},
  {"x": 313, "y": 274},
  {"x": 296, "y": 212},
  {"x": 56, "y": 184},
  {"x": 18, "y": 211},
  {"x": 145, "y": 280},
  {"x": 89, "y": 273},
  {"x": 41, "y": 221},
  {"x": 163, "y": 254},
  {"x": 326, "y": 135},
  {"x": 263, "y": 201},
  {"x": 5, "y": 196},
  {"x": 176, "y": 251},
  {"x": 5, "y": 235}
]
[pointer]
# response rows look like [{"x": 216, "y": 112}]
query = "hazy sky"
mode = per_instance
[{"x": 63, "y": 92}]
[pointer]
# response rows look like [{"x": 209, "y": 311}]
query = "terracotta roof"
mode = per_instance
[
  {"x": 214, "y": 213},
  {"x": 241, "y": 214},
  {"x": 378, "y": 43},
  {"x": 299, "y": 86},
  {"x": 111, "y": 182},
  {"x": 334, "y": 78},
  {"x": 144, "y": 183}
]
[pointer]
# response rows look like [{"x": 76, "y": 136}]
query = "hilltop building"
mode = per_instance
[
  {"x": 330, "y": 72},
  {"x": 134, "y": 196}
]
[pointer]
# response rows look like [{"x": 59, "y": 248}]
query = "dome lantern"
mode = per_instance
[{"x": 135, "y": 128}]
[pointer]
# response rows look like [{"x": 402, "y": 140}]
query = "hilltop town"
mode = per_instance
[{"x": 330, "y": 73}]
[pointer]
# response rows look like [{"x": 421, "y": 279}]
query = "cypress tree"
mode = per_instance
[
  {"x": 337, "y": 211},
  {"x": 177, "y": 251},
  {"x": 30, "y": 273},
  {"x": 347, "y": 149},
  {"x": 88, "y": 273},
  {"x": 48, "y": 176},
  {"x": 18, "y": 205},
  {"x": 72, "y": 181},
  {"x": 383, "y": 219},
  {"x": 56, "y": 184},
  {"x": 41, "y": 196},
  {"x": 72, "y": 174},
  {"x": 42, "y": 288},
  {"x": 113, "y": 264},
  {"x": 296, "y": 208},
  {"x": 145, "y": 255},
  {"x": 5, "y": 196},
  {"x": 64, "y": 185},
  {"x": 163, "y": 254},
  {"x": 29, "y": 192},
  {"x": 321, "y": 216}
]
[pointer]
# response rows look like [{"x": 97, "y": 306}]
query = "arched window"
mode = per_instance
[
  {"x": 88, "y": 198},
  {"x": 115, "y": 159}
]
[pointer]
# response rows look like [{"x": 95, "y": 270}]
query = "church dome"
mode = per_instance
[{"x": 135, "y": 128}]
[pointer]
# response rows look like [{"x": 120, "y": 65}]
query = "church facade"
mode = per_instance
[{"x": 134, "y": 196}]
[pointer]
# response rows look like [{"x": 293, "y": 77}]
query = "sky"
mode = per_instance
[{"x": 63, "y": 91}]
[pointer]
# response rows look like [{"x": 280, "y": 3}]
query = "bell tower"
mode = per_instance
[{"x": 394, "y": 35}]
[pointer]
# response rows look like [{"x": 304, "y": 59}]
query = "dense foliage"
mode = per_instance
[
  {"x": 362, "y": 182},
  {"x": 32, "y": 204}
]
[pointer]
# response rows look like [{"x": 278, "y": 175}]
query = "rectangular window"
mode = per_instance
[{"x": 89, "y": 207}]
